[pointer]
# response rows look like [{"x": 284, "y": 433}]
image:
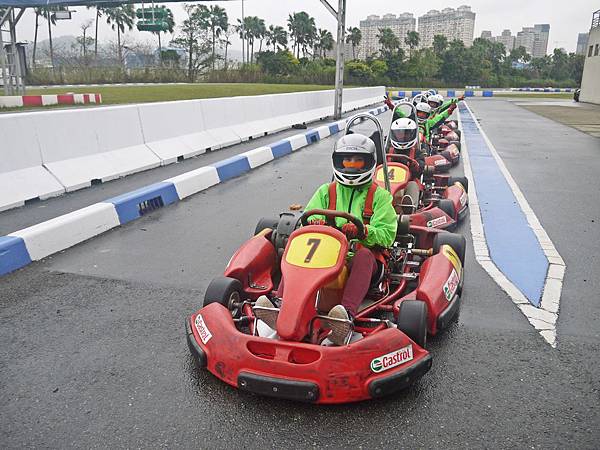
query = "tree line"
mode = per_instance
[{"x": 299, "y": 52}]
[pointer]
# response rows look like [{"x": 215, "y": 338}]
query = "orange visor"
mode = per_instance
[{"x": 353, "y": 163}]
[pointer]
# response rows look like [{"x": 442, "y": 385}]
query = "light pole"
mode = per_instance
[{"x": 340, "y": 16}]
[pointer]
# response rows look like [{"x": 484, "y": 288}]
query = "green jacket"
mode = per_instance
[
  {"x": 432, "y": 123},
  {"x": 383, "y": 224},
  {"x": 444, "y": 106}
]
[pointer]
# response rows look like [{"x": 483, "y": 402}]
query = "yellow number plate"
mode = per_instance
[
  {"x": 452, "y": 257},
  {"x": 313, "y": 251},
  {"x": 395, "y": 173}
]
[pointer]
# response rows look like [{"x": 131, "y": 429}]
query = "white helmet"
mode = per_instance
[
  {"x": 423, "y": 112},
  {"x": 436, "y": 99},
  {"x": 344, "y": 171},
  {"x": 404, "y": 133}
]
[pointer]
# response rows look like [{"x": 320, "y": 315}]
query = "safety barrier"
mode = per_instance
[
  {"x": 449, "y": 93},
  {"x": 53, "y": 152},
  {"x": 18, "y": 101},
  {"x": 39, "y": 241}
]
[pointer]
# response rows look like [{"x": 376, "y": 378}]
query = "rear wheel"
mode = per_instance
[
  {"x": 448, "y": 207},
  {"x": 412, "y": 320},
  {"x": 227, "y": 292},
  {"x": 266, "y": 222},
  {"x": 462, "y": 180},
  {"x": 456, "y": 241}
]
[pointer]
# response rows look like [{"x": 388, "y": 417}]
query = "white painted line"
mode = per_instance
[{"x": 545, "y": 317}]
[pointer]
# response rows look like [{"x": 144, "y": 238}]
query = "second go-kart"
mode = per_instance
[{"x": 416, "y": 292}]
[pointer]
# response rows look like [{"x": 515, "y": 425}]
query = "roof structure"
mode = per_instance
[{"x": 41, "y": 3}]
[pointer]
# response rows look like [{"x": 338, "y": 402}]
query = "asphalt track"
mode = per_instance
[{"x": 93, "y": 346}]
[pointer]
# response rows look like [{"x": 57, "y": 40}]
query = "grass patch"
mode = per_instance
[{"x": 113, "y": 95}]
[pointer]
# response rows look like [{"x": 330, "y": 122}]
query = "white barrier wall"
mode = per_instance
[
  {"x": 590, "y": 82},
  {"x": 46, "y": 153}
]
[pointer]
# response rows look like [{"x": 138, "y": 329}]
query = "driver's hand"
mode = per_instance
[
  {"x": 461, "y": 98},
  {"x": 350, "y": 230},
  {"x": 317, "y": 222}
]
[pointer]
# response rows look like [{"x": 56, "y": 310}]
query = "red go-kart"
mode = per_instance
[
  {"x": 416, "y": 291},
  {"x": 433, "y": 200}
]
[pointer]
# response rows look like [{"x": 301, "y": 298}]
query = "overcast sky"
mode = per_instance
[{"x": 566, "y": 19}]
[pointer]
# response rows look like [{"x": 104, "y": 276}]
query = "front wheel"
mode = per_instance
[
  {"x": 227, "y": 292},
  {"x": 266, "y": 222},
  {"x": 464, "y": 181},
  {"x": 412, "y": 320},
  {"x": 456, "y": 241}
]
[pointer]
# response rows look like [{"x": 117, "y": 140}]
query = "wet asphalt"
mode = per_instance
[{"x": 94, "y": 355}]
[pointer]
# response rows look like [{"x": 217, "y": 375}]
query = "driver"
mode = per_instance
[
  {"x": 404, "y": 136},
  {"x": 355, "y": 192},
  {"x": 428, "y": 123}
]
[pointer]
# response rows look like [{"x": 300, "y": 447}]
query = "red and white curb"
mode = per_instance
[
  {"x": 18, "y": 101},
  {"x": 545, "y": 317}
]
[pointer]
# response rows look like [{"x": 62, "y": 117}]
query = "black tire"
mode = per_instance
[
  {"x": 403, "y": 225},
  {"x": 458, "y": 132},
  {"x": 225, "y": 291},
  {"x": 448, "y": 207},
  {"x": 462, "y": 180},
  {"x": 412, "y": 321},
  {"x": 456, "y": 241},
  {"x": 266, "y": 222}
]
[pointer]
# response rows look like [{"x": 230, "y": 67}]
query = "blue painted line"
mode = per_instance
[
  {"x": 450, "y": 93},
  {"x": 13, "y": 254},
  {"x": 135, "y": 204},
  {"x": 333, "y": 129},
  {"x": 512, "y": 244},
  {"x": 232, "y": 167},
  {"x": 284, "y": 147}
]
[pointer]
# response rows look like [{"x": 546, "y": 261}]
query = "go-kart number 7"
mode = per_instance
[
  {"x": 314, "y": 244},
  {"x": 313, "y": 251}
]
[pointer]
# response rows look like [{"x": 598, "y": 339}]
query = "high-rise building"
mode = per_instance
[
  {"x": 370, "y": 27},
  {"x": 453, "y": 23},
  {"x": 507, "y": 39},
  {"x": 534, "y": 39},
  {"x": 582, "y": 39},
  {"x": 487, "y": 35}
]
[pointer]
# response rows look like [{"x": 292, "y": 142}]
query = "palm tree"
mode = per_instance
[
  {"x": 244, "y": 30},
  {"x": 389, "y": 42},
  {"x": 302, "y": 30},
  {"x": 170, "y": 20},
  {"x": 259, "y": 31},
  {"x": 354, "y": 37},
  {"x": 38, "y": 12},
  {"x": 277, "y": 36},
  {"x": 99, "y": 11},
  {"x": 412, "y": 40},
  {"x": 215, "y": 18},
  {"x": 324, "y": 41},
  {"x": 118, "y": 18}
]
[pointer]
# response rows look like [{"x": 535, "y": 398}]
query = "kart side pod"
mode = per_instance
[{"x": 439, "y": 285}]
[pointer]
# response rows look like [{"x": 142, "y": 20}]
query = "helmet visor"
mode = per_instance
[
  {"x": 434, "y": 104},
  {"x": 422, "y": 114},
  {"x": 350, "y": 163},
  {"x": 404, "y": 135}
]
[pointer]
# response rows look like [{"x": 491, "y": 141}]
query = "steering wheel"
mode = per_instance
[
  {"x": 402, "y": 158},
  {"x": 330, "y": 213}
]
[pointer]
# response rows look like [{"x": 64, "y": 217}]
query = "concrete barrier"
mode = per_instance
[
  {"x": 67, "y": 150},
  {"x": 22, "y": 176}
]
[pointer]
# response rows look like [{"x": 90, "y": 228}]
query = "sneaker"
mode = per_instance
[
  {"x": 266, "y": 311},
  {"x": 341, "y": 326}
]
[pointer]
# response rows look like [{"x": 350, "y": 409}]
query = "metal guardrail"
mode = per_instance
[{"x": 596, "y": 19}]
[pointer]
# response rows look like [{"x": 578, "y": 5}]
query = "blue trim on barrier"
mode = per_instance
[
  {"x": 312, "y": 137},
  {"x": 232, "y": 167},
  {"x": 488, "y": 93},
  {"x": 568, "y": 90},
  {"x": 450, "y": 93},
  {"x": 469, "y": 94},
  {"x": 556, "y": 90},
  {"x": 547, "y": 90},
  {"x": 135, "y": 204},
  {"x": 333, "y": 129},
  {"x": 284, "y": 147},
  {"x": 513, "y": 246},
  {"x": 13, "y": 254},
  {"x": 401, "y": 94},
  {"x": 415, "y": 93}
]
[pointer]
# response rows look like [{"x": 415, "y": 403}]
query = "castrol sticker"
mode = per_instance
[
  {"x": 202, "y": 329},
  {"x": 463, "y": 199},
  {"x": 451, "y": 285},
  {"x": 393, "y": 359},
  {"x": 434, "y": 223}
]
